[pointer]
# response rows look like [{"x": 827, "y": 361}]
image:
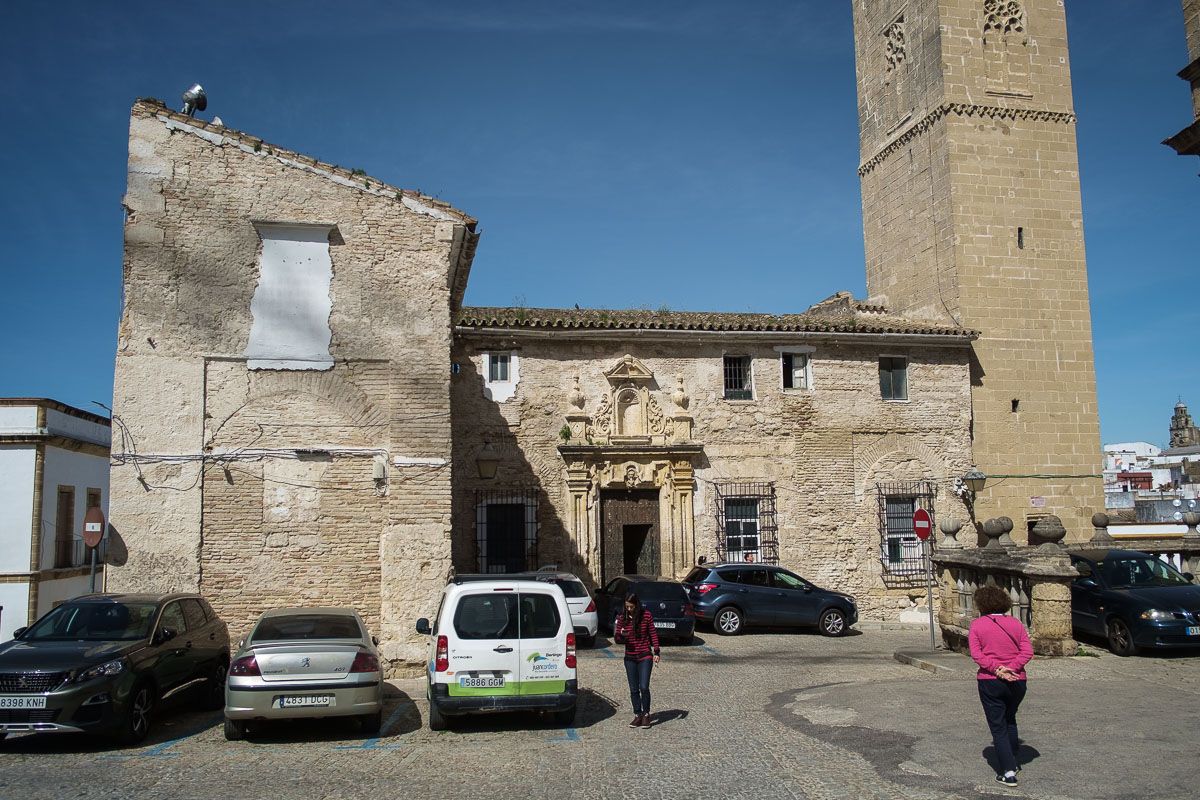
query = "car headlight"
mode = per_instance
[
  {"x": 1155, "y": 615},
  {"x": 114, "y": 667}
]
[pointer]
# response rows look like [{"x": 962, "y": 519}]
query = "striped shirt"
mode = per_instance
[{"x": 640, "y": 639}]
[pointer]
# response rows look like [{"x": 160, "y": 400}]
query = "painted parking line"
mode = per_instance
[
  {"x": 569, "y": 735},
  {"x": 708, "y": 650},
  {"x": 159, "y": 750},
  {"x": 606, "y": 651},
  {"x": 373, "y": 742}
]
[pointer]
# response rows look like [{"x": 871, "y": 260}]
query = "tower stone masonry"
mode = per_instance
[{"x": 972, "y": 216}]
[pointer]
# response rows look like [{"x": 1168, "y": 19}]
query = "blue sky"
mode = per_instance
[{"x": 703, "y": 152}]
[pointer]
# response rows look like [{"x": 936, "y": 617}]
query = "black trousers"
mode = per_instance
[{"x": 1000, "y": 702}]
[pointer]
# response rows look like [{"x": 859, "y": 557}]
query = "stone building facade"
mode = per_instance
[
  {"x": 1187, "y": 141},
  {"x": 972, "y": 216}
]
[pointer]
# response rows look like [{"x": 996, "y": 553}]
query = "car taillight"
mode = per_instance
[
  {"x": 442, "y": 661},
  {"x": 365, "y": 662},
  {"x": 246, "y": 665},
  {"x": 704, "y": 588},
  {"x": 570, "y": 660},
  {"x": 591, "y": 607}
]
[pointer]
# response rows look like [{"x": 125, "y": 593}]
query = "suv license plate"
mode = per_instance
[
  {"x": 664, "y": 624},
  {"x": 28, "y": 701},
  {"x": 1194, "y": 630},
  {"x": 481, "y": 683},
  {"x": 305, "y": 701}
]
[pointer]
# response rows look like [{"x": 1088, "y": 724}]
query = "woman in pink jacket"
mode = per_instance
[{"x": 1000, "y": 646}]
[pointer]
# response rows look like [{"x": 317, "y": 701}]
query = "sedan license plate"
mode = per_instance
[
  {"x": 664, "y": 624},
  {"x": 305, "y": 701},
  {"x": 1194, "y": 630},
  {"x": 27, "y": 701},
  {"x": 468, "y": 682}
]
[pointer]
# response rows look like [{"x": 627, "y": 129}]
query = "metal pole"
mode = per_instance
[
  {"x": 93, "y": 589},
  {"x": 929, "y": 592}
]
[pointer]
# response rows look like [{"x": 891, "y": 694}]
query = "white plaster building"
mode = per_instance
[{"x": 53, "y": 467}]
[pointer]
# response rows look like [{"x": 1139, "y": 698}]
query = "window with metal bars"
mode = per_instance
[
  {"x": 747, "y": 525},
  {"x": 900, "y": 551},
  {"x": 737, "y": 378},
  {"x": 506, "y": 530}
]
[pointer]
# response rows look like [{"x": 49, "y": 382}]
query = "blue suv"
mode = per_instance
[{"x": 731, "y": 596}]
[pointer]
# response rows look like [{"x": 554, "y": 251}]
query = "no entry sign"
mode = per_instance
[{"x": 922, "y": 525}]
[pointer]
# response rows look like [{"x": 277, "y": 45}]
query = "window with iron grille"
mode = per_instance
[
  {"x": 901, "y": 552},
  {"x": 893, "y": 377},
  {"x": 737, "y": 378},
  {"x": 747, "y": 528},
  {"x": 506, "y": 530}
]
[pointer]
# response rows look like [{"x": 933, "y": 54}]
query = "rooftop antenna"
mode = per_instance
[{"x": 194, "y": 99}]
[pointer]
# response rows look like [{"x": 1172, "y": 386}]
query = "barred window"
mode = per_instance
[
  {"x": 737, "y": 378},
  {"x": 506, "y": 530},
  {"x": 893, "y": 377},
  {"x": 747, "y": 529},
  {"x": 901, "y": 553}
]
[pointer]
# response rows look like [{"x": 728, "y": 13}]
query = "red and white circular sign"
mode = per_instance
[{"x": 922, "y": 524}]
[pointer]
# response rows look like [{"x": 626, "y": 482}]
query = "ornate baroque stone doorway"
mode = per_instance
[{"x": 630, "y": 535}]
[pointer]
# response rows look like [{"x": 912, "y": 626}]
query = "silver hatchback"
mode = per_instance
[{"x": 305, "y": 662}]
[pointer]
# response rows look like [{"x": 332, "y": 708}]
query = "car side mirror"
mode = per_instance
[
  {"x": 1190, "y": 579},
  {"x": 241, "y": 643},
  {"x": 1087, "y": 583},
  {"x": 17, "y": 633},
  {"x": 164, "y": 635},
  {"x": 422, "y": 627}
]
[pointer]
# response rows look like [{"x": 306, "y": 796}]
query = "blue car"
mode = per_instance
[
  {"x": 732, "y": 596},
  {"x": 1134, "y": 600}
]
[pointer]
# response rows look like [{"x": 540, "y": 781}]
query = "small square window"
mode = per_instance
[
  {"x": 795, "y": 370},
  {"x": 737, "y": 378},
  {"x": 498, "y": 367},
  {"x": 893, "y": 377}
]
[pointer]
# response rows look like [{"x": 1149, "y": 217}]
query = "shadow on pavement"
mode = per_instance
[
  {"x": 163, "y": 729},
  {"x": 594, "y": 707},
  {"x": 1025, "y": 754},
  {"x": 1100, "y": 643},
  {"x": 400, "y": 716},
  {"x": 663, "y": 717}
]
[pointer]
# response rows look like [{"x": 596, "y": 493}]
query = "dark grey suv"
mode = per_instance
[{"x": 732, "y": 596}]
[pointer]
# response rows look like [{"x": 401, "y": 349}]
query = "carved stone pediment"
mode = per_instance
[
  {"x": 629, "y": 413},
  {"x": 628, "y": 370}
]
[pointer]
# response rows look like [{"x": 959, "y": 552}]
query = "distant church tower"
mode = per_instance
[
  {"x": 972, "y": 215},
  {"x": 1184, "y": 432}
]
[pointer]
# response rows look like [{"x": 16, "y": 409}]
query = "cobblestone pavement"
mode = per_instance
[{"x": 769, "y": 715}]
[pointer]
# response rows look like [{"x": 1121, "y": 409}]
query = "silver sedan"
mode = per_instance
[{"x": 305, "y": 662}]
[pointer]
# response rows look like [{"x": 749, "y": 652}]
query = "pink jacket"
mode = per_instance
[{"x": 998, "y": 640}]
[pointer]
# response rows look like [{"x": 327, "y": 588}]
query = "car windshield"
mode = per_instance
[
  {"x": 307, "y": 626},
  {"x": 1136, "y": 573},
  {"x": 570, "y": 588},
  {"x": 659, "y": 590},
  {"x": 94, "y": 622}
]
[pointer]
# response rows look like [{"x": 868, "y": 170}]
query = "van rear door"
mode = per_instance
[
  {"x": 483, "y": 644},
  {"x": 545, "y": 623}
]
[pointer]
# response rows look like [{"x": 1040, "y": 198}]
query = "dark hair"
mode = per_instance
[
  {"x": 992, "y": 600},
  {"x": 632, "y": 597}
]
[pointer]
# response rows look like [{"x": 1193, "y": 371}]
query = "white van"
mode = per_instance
[{"x": 500, "y": 645}]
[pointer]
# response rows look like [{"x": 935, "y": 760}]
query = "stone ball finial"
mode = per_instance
[
  {"x": 1191, "y": 519},
  {"x": 1005, "y": 523},
  {"x": 576, "y": 397},
  {"x": 993, "y": 530},
  {"x": 1050, "y": 529},
  {"x": 680, "y": 397},
  {"x": 1006, "y": 526},
  {"x": 1100, "y": 520},
  {"x": 949, "y": 526},
  {"x": 1100, "y": 537}
]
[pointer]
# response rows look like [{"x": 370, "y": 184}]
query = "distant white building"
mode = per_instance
[{"x": 53, "y": 467}]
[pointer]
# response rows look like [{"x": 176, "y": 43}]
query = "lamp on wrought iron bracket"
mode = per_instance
[
  {"x": 487, "y": 462},
  {"x": 967, "y": 487}
]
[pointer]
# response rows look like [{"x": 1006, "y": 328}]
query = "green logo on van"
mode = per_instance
[{"x": 536, "y": 657}]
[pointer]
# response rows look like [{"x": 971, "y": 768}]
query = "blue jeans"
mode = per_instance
[
  {"x": 1000, "y": 701},
  {"x": 638, "y": 673}
]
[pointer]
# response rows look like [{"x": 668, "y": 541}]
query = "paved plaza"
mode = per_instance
[{"x": 766, "y": 715}]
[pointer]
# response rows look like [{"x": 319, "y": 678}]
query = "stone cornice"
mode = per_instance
[{"x": 961, "y": 110}]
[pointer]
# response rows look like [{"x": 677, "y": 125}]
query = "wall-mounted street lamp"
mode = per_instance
[
  {"x": 487, "y": 462},
  {"x": 975, "y": 480},
  {"x": 967, "y": 487}
]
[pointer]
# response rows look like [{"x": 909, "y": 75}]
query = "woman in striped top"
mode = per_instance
[{"x": 635, "y": 629}]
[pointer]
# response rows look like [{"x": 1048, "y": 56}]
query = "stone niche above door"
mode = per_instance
[{"x": 629, "y": 413}]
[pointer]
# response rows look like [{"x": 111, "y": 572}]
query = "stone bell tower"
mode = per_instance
[{"x": 972, "y": 216}]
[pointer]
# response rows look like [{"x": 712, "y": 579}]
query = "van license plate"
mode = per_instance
[
  {"x": 22, "y": 702},
  {"x": 305, "y": 701},
  {"x": 1194, "y": 630},
  {"x": 664, "y": 624},
  {"x": 481, "y": 683}
]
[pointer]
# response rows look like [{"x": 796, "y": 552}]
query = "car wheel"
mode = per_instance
[
  {"x": 371, "y": 723},
  {"x": 566, "y": 717},
  {"x": 1120, "y": 638},
  {"x": 214, "y": 689},
  {"x": 728, "y": 621},
  {"x": 437, "y": 722},
  {"x": 832, "y": 622},
  {"x": 136, "y": 725},
  {"x": 235, "y": 730}
]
